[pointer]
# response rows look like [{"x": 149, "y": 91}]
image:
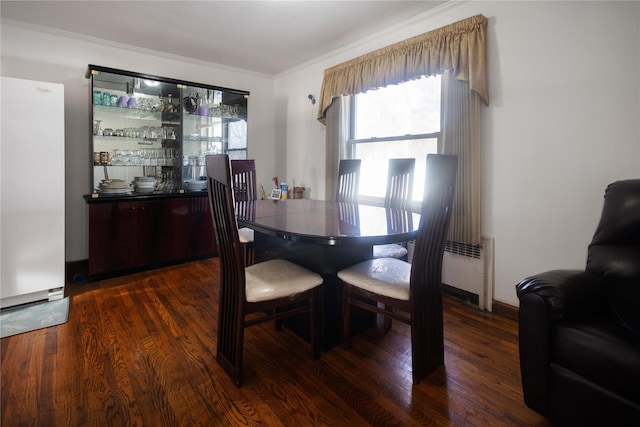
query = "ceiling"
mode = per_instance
[{"x": 262, "y": 36}]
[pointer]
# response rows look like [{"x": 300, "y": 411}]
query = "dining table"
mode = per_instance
[{"x": 325, "y": 237}]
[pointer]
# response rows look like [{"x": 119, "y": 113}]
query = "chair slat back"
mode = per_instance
[
  {"x": 244, "y": 179},
  {"x": 348, "y": 219},
  {"x": 399, "y": 220},
  {"x": 435, "y": 216},
  {"x": 400, "y": 183},
  {"x": 348, "y": 180},
  {"x": 232, "y": 278}
]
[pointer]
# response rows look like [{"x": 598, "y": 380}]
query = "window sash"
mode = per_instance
[
  {"x": 418, "y": 182},
  {"x": 395, "y": 138}
]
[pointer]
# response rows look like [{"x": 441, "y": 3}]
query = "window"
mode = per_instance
[{"x": 395, "y": 121}]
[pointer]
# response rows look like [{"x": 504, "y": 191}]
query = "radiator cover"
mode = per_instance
[{"x": 469, "y": 269}]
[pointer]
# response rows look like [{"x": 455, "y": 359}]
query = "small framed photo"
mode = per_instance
[{"x": 275, "y": 193}]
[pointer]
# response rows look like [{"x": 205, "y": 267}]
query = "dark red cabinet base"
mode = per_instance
[{"x": 128, "y": 234}]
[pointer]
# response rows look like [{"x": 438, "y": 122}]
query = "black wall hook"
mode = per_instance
[{"x": 312, "y": 98}]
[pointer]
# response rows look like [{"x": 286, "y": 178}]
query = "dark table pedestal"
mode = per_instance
[{"x": 327, "y": 261}]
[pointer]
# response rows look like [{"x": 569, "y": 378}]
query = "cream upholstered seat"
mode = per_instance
[
  {"x": 276, "y": 288},
  {"x": 384, "y": 276},
  {"x": 390, "y": 250},
  {"x": 277, "y": 278},
  {"x": 246, "y": 234},
  {"x": 410, "y": 293}
]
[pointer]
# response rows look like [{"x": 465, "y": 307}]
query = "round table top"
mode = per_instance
[{"x": 328, "y": 222}]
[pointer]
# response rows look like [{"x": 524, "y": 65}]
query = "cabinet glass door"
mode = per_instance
[
  {"x": 136, "y": 134},
  {"x": 214, "y": 121}
]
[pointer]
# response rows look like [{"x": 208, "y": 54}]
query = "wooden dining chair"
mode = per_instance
[
  {"x": 244, "y": 179},
  {"x": 398, "y": 195},
  {"x": 276, "y": 288},
  {"x": 348, "y": 180},
  {"x": 245, "y": 191},
  {"x": 410, "y": 293}
]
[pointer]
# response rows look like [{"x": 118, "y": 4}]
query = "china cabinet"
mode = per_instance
[
  {"x": 153, "y": 127},
  {"x": 147, "y": 198}
]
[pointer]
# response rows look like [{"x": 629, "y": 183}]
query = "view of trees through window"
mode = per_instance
[{"x": 394, "y": 122}]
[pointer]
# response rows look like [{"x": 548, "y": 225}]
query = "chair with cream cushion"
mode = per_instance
[
  {"x": 397, "y": 196},
  {"x": 276, "y": 288},
  {"x": 411, "y": 293},
  {"x": 245, "y": 191}
]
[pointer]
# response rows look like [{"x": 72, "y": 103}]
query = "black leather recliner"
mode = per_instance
[{"x": 580, "y": 329}]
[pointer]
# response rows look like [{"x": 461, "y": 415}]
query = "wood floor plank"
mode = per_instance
[{"x": 141, "y": 350}]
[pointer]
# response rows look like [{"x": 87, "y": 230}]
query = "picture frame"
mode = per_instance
[{"x": 276, "y": 193}]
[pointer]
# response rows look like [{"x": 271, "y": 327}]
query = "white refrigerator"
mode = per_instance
[{"x": 32, "y": 250}]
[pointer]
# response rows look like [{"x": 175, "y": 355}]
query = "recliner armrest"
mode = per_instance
[
  {"x": 545, "y": 299},
  {"x": 567, "y": 293}
]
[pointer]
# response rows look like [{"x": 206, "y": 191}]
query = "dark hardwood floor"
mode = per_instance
[{"x": 140, "y": 350}]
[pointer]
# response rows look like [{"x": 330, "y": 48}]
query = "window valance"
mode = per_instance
[{"x": 459, "y": 47}]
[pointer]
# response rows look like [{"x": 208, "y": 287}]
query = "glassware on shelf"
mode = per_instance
[
  {"x": 96, "y": 127},
  {"x": 168, "y": 106},
  {"x": 168, "y": 182}
]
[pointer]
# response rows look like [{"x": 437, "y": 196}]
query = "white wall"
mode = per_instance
[
  {"x": 32, "y": 53},
  {"x": 563, "y": 122}
]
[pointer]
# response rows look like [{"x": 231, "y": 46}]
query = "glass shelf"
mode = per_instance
[
  {"x": 125, "y": 112},
  {"x": 200, "y": 138},
  {"x": 126, "y": 139}
]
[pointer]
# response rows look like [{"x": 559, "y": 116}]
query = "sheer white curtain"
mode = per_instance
[
  {"x": 337, "y": 137},
  {"x": 461, "y": 136}
]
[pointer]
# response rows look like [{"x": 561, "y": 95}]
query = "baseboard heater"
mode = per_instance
[{"x": 468, "y": 270}]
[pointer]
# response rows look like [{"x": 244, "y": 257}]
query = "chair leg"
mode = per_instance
[
  {"x": 387, "y": 320},
  {"x": 314, "y": 320},
  {"x": 346, "y": 313},
  {"x": 427, "y": 340},
  {"x": 249, "y": 254},
  {"x": 278, "y": 322},
  {"x": 230, "y": 343}
]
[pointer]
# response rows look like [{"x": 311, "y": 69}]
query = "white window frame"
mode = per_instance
[{"x": 352, "y": 141}]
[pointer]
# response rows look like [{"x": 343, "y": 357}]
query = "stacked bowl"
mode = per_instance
[
  {"x": 196, "y": 184},
  {"x": 144, "y": 184},
  {"x": 113, "y": 186}
]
